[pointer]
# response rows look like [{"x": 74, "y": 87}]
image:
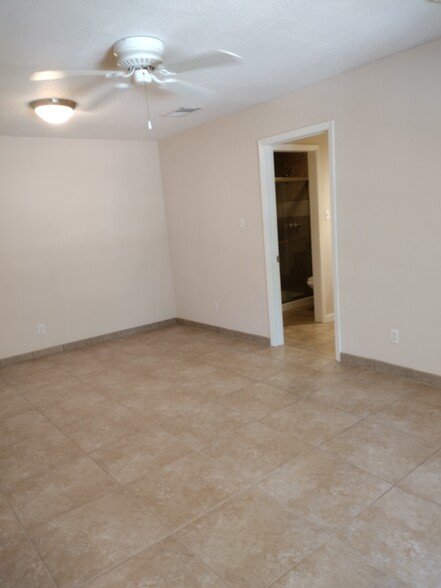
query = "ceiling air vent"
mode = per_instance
[{"x": 181, "y": 112}]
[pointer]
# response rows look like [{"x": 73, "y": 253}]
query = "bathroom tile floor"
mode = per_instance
[{"x": 183, "y": 458}]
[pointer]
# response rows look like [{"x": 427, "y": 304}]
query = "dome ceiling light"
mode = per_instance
[{"x": 54, "y": 111}]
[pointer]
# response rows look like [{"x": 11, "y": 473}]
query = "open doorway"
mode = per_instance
[{"x": 299, "y": 213}]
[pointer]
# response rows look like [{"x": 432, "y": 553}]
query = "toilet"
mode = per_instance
[{"x": 310, "y": 282}]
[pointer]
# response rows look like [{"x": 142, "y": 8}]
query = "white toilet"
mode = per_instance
[{"x": 310, "y": 282}]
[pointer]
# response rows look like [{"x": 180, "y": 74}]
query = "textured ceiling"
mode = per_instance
[{"x": 285, "y": 44}]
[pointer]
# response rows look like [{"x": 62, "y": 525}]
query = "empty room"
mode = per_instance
[{"x": 220, "y": 320}]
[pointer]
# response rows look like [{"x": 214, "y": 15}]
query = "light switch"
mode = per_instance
[
  {"x": 327, "y": 214},
  {"x": 242, "y": 222}
]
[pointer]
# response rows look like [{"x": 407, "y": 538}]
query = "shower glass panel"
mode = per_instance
[{"x": 293, "y": 224}]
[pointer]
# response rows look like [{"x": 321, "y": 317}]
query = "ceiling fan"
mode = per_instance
[{"x": 141, "y": 59}]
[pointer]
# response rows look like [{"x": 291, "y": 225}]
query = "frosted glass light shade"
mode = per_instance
[{"x": 55, "y": 111}]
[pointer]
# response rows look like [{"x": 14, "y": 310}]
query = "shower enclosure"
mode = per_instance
[{"x": 293, "y": 224}]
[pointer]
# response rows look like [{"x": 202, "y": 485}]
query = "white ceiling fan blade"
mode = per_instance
[
  {"x": 210, "y": 59},
  {"x": 181, "y": 86},
  {"x": 103, "y": 94},
  {"x": 41, "y": 76}
]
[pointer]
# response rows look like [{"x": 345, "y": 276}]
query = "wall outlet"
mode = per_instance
[
  {"x": 41, "y": 329},
  {"x": 216, "y": 306},
  {"x": 395, "y": 336}
]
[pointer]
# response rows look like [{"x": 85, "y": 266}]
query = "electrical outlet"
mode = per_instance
[
  {"x": 216, "y": 306},
  {"x": 41, "y": 329},
  {"x": 395, "y": 336}
]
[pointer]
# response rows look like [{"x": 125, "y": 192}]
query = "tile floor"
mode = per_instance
[{"x": 184, "y": 458}]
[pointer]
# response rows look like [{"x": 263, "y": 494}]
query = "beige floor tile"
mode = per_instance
[
  {"x": 164, "y": 565},
  {"x": 336, "y": 565},
  {"x": 58, "y": 391},
  {"x": 354, "y": 396},
  {"x": 203, "y": 425},
  {"x": 216, "y": 384},
  {"x": 134, "y": 346},
  {"x": 84, "y": 543},
  {"x": 290, "y": 355},
  {"x": 152, "y": 361},
  {"x": 294, "y": 380},
  {"x": 311, "y": 422},
  {"x": 75, "y": 409},
  {"x": 382, "y": 451},
  {"x": 25, "y": 368},
  {"x": 12, "y": 404},
  {"x": 327, "y": 492},
  {"x": 136, "y": 455},
  {"x": 35, "y": 454},
  {"x": 21, "y": 567},
  {"x": 5, "y": 386},
  {"x": 126, "y": 389},
  {"x": 141, "y": 405},
  {"x": 400, "y": 533},
  {"x": 425, "y": 481},
  {"x": 387, "y": 382},
  {"x": 188, "y": 369},
  {"x": 428, "y": 394},
  {"x": 26, "y": 382},
  {"x": 250, "y": 541},
  {"x": 10, "y": 528},
  {"x": 413, "y": 416},
  {"x": 105, "y": 428},
  {"x": 249, "y": 365},
  {"x": 165, "y": 404},
  {"x": 23, "y": 426},
  {"x": 49, "y": 494},
  {"x": 254, "y": 451},
  {"x": 199, "y": 347},
  {"x": 184, "y": 489},
  {"x": 258, "y": 400}
]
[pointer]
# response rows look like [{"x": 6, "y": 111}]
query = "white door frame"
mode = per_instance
[{"x": 269, "y": 215}]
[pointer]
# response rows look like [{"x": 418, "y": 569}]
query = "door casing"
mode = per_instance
[{"x": 269, "y": 216}]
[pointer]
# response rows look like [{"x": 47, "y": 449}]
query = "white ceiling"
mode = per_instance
[{"x": 285, "y": 44}]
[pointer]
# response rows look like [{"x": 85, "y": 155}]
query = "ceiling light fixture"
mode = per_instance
[{"x": 55, "y": 111}]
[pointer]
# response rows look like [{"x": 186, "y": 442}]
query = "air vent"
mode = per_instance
[{"x": 181, "y": 112}]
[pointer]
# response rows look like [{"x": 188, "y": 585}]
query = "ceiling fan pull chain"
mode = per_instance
[{"x": 149, "y": 122}]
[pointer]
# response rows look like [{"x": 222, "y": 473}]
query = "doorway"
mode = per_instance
[
  {"x": 293, "y": 228},
  {"x": 322, "y": 213}
]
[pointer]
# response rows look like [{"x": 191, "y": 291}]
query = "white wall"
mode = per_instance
[
  {"x": 388, "y": 177},
  {"x": 83, "y": 241}
]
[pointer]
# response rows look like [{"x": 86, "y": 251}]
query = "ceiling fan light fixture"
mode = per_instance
[{"x": 54, "y": 111}]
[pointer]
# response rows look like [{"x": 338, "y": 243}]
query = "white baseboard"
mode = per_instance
[{"x": 307, "y": 302}]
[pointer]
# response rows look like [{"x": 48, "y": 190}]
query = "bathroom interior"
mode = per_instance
[
  {"x": 294, "y": 227},
  {"x": 292, "y": 186}
]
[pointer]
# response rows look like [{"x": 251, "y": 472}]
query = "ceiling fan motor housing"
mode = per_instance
[{"x": 138, "y": 52}]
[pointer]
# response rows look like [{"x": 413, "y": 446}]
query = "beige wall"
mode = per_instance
[
  {"x": 323, "y": 228},
  {"x": 83, "y": 242},
  {"x": 388, "y": 177}
]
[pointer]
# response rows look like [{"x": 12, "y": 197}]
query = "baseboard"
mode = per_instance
[
  {"x": 39, "y": 353},
  {"x": 83, "y": 343},
  {"x": 307, "y": 302},
  {"x": 392, "y": 369},
  {"x": 236, "y": 334}
]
